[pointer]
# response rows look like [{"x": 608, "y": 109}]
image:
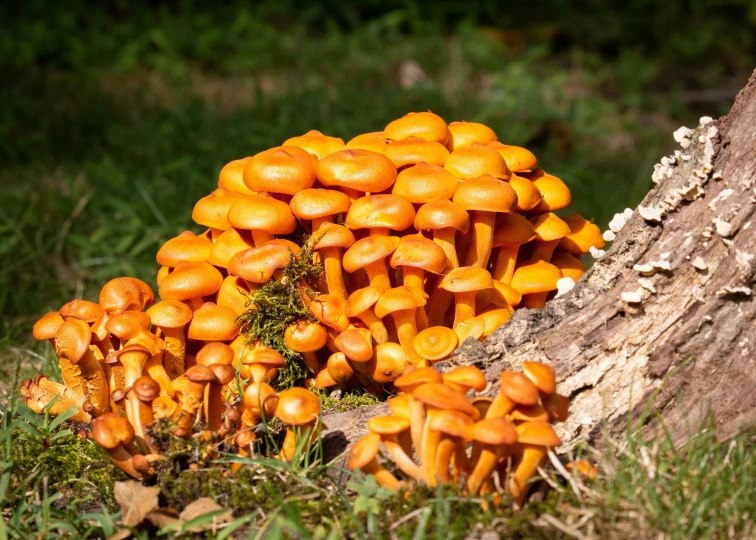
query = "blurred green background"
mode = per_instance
[{"x": 117, "y": 116}]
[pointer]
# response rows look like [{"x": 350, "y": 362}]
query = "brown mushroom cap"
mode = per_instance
[
  {"x": 215, "y": 353},
  {"x": 537, "y": 433},
  {"x": 110, "y": 429},
  {"x": 556, "y": 195},
  {"x": 211, "y": 211},
  {"x": 279, "y": 170},
  {"x": 259, "y": 264},
  {"x": 297, "y": 406},
  {"x": 170, "y": 314},
  {"x": 517, "y": 157},
  {"x": 542, "y": 376},
  {"x": 417, "y": 251},
  {"x": 124, "y": 294},
  {"x": 361, "y": 170},
  {"x": 369, "y": 250},
  {"x": 128, "y": 325},
  {"x": 582, "y": 237},
  {"x": 466, "y": 376},
  {"x": 441, "y": 396},
  {"x": 397, "y": 299},
  {"x": 363, "y": 452},
  {"x": 518, "y": 388},
  {"x": 435, "y": 343},
  {"x": 424, "y": 183},
  {"x": 424, "y": 125},
  {"x": 72, "y": 340},
  {"x": 535, "y": 277},
  {"x": 213, "y": 323},
  {"x": 260, "y": 213},
  {"x": 304, "y": 336},
  {"x": 465, "y": 279},
  {"x": 440, "y": 214},
  {"x": 48, "y": 325},
  {"x": 84, "y": 310},
  {"x": 190, "y": 280},
  {"x": 332, "y": 235},
  {"x": 146, "y": 388},
  {"x": 390, "y": 211},
  {"x": 228, "y": 244},
  {"x": 568, "y": 264},
  {"x": 319, "y": 203},
  {"x": 361, "y": 300},
  {"x": 223, "y": 372},
  {"x": 413, "y": 150},
  {"x": 485, "y": 193},
  {"x": 466, "y": 133},
  {"x": 512, "y": 230},
  {"x": 316, "y": 143},
  {"x": 231, "y": 177},
  {"x": 388, "y": 425},
  {"x": 373, "y": 141},
  {"x": 549, "y": 226},
  {"x": 356, "y": 344},
  {"x": 476, "y": 160},
  {"x": 185, "y": 247},
  {"x": 493, "y": 431},
  {"x": 200, "y": 374}
]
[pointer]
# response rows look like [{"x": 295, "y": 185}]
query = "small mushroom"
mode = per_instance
[
  {"x": 300, "y": 410},
  {"x": 306, "y": 338},
  {"x": 114, "y": 433},
  {"x": 390, "y": 428},
  {"x": 362, "y": 457},
  {"x": 465, "y": 282},
  {"x": 493, "y": 435},
  {"x": 171, "y": 317},
  {"x": 535, "y": 438}
]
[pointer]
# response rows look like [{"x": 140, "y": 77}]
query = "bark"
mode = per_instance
[{"x": 687, "y": 350}]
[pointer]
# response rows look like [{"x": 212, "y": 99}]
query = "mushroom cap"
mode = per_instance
[
  {"x": 319, "y": 203},
  {"x": 532, "y": 413},
  {"x": 164, "y": 271},
  {"x": 170, "y": 314},
  {"x": 512, "y": 230},
  {"x": 129, "y": 324},
  {"x": 215, "y": 353},
  {"x": 388, "y": 425},
  {"x": 363, "y": 452},
  {"x": 185, "y": 247},
  {"x": 417, "y": 251},
  {"x": 399, "y": 406},
  {"x": 485, "y": 193},
  {"x": 297, "y": 406},
  {"x": 190, "y": 280},
  {"x": 339, "y": 368},
  {"x": 408, "y": 382},
  {"x": 228, "y": 244},
  {"x": 470, "y": 328},
  {"x": 518, "y": 388},
  {"x": 568, "y": 264},
  {"x": 231, "y": 177},
  {"x": 424, "y": 183},
  {"x": 413, "y": 150},
  {"x": 476, "y": 160},
  {"x": 517, "y": 157},
  {"x": 260, "y": 354},
  {"x": 493, "y": 319},
  {"x": 397, "y": 299},
  {"x": 223, "y": 372},
  {"x": 556, "y": 195},
  {"x": 163, "y": 407},
  {"x": 323, "y": 379},
  {"x": 509, "y": 294},
  {"x": 387, "y": 364},
  {"x": 233, "y": 294},
  {"x": 493, "y": 431},
  {"x": 72, "y": 340},
  {"x": 537, "y": 433},
  {"x": 83, "y": 310},
  {"x": 440, "y": 396},
  {"x": 48, "y": 325},
  {"x": 259, "y": 213},
  {"x": 435, "y": 343},
  {"x": 535, "y": 277},
  {"x": 316, "y": 143},
  {"x": 99, "y": 331},
  {"x": 332, "y": 235},
  {"x": 373, "y": 141},
  {"x": 279, "y": 170},
  {"x": 424, "y": 125},
  {"x": 356, "y": 344},
  {"x": 361, "y": 300},
  {"x": 212, "y": 210},
  {"x": 259, "y": 264},
  {"x": 134, "y": 351},
  {"x": 262, "y": 397},
  {"x": 146, "y": 388},
  {"x": 110, "y": 429},
  {"x": 549, "y": 227},
  {"x": 582, "y": 237},
  {"x": 391, "y": 211},
  {"x": 466, "y": 133},
  {"x": 528, "y": 195},
  {"x": 329, "y": 310},
  {"x": 361, "y": 170},
  {"x": 440, "y": 214},
  {"x": 124, "y": 294},
  {"x": 542, "y": 376},
  {"x": 213, "y": 323},
  {"x": 482, "y": 403},
  {"x": 200, "y": 374},
  {"x": 466, "y": 279},
  {"x": 451, "y": 422},
  {"x": 305, "y": 336},
  {"x": 467, "y": 377},
  {"x": 368, "y": 250},
  {"x": 150, "y": 341}
]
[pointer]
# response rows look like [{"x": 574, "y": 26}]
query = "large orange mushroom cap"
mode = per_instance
[
  {"x": 549, "y": 227},
  {"x": 297, "y": 406},
  {"x": 303, "y": 336},
  {"x": 260, "y": 213},
  {"x": 440, "y": 396},
  {"x": 556, "y": 195},
  {"x": 463, "y": 378},
  {"x": 364, "y": 451},
  {"x": 494, "y": 431},
  {"x": 518, "y": 388},
  {"x": 485, "y": 193},
  {"x": 356, "y": 344},
  {"x": 435, "y": 343},
  {"x": 466, "y": 279},
  {"x": 185, "y": 247},
  {"x": 512, "y": 230},
  {"x": 312, "y": 204},
  {"x": 528, "y": 195},
  {"x": 542, "y": 376},
  {"x": 582, "y": 237},
  {"x": 466, "y": 133},
  {"x": 329, "y": 310},
  {"x": 409, "y": 381},
  {"x": 440, "y": 214},
  {"x": 228, "y": 244},
  {"x": 279, "y": 170},
  {"x": 231, "y": 177},
  {"x": 215, "y": 353},
  {"x": 387, "y": 364},
  {"x": 397, "y": 299},
  {"x": 424, "y": 183},
  {"x": 373, "y": 141},
  {"x": 73, "y": 339},
  {"x": 360, "y": 170},
  {"x": 476, "y": 160},
  {"x": 129, "y": 324},
  {"x": 417, "y": 251},
  {"x": 110, "y": 430},
  {"x": 213, "y": 323},
  {"x": 537, "y": 433},
  {"x": 316, "y": 143},
  {"x": 190, "y": 280},
  {"x": 424, "y": 125},
  {"x": 535, "y": 277},
  {"x": 332, "y": 235},
  {"x": 124, "y": 294},
  {"x": 517, "y": 158},
  {"x": 211, "y": 211},
  {"x": 413, "y": 150},
  {"x": 381, "y": 211},
  {"x": 258, "y": 265},
  {"x": 233, "y": 294},
  {"x": 369, "y": 250},
  {"x": 84, "y": 310},
  {"x": 361, "y": 300},
  {"x": 48, "y": 325}
]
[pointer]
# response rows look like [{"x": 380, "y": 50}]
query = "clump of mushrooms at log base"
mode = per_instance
[{"x": 324, "y": 264}]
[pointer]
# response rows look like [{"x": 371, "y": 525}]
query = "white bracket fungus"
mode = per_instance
[
  {"x": 564, "y": 285},
  {"x": 652, "y": 267}
]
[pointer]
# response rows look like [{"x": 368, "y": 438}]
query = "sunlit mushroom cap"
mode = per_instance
[
  {"x": 305, "y": 336},
  {"x": 329, "y": 310},
  {"x": 466, "y": 133},
  {"x": 399, "y": 406},
  {"x": 72, "y": 340},
  {"x": 542, "y": 376},
  {"x": 476, "y": 160},
  {"x": 388, "y": 425},
  {"x": 129, "y": 324},
  {"x": 84, "y": 310},
  {"x": 260, "y": 354},
  {"x": 470, "y": 328},
  {"x": 518, "y": 388},
  {"x": 569, "y": 265},
  {"x": 463, "y": 378},
  {"x": 465, "y": 279},
  {"x": 391, "y": 211},
  {"x": 319, "y": 203},
  {"x": 258, "y": 213},
  {"x": 124, "y": 294},
  {"x": 452, "y": 423},
  {"x": 549, "y": 227},
  {"x": 532, "y": 413},
  {"x": 213, "y": 323},
  {"x": 361, "y": 300},
  {"x": 164, "y": 271},
  {"x": 332, "y": 235},
  {"x": 512, "y": 230},
  {"x": 361, "y": 170},
  {"x": 215, "y": 353},
  {"x": 340, "y": 368},
  {"x": 387, "y": 364},
  {"x": 582, "y": 237},
  {"x": 397, "y": 299},
  {"x": 212, "y": 210},
  {"x": 517, "y": 157},
  {"x": 363, "y": 452},
  {"x": 535, "y": 277},
  {"x": 170, "y": 314},
  {"x": 356, "y": 344},
  {"x": 373, "y": 141},
  {"x": 134, "y": 351},
  {"x": 259, "y": 264},
  {"x": 146, "y": 388},
  {"x": 441, "y": 396},
  {"x": 369, "y": 250},
  {"x": 435, "y": 343},
  {"x": 485, "y": 193},
  {"x": 190, "y": 280},
  {"x": 48, "y": 325},
  {"x": 297, "y": 406},
  {"x": 440, "y": 214},
  {"x": 231, "y": 177},
  {"x": 556, "y": 195},
  {"x": 537, "y": 433},
  {"x": 110, "y": 429},
  {"x": 417, "y": 251},
  {"x": 200, "y": 374},
  {"x": 528, "y": 195},
  {"x": 493, "y": 431},
  {"x": 493, "y": 319},
  {"x": 323, "y": 379},
  {"x": 413, "y": 150},
  {"x": 233, "y": 294},
  {"x": 261, "y": 397},
  {"x": 508, "y": 294},
  {"x": 408, "y": 382},
  {"x": 279, "y": 170},
  {"x": 228, "y": 244},
  {"x": 424, "y": 183},
  {"x": 316, "y": 143},
  {"x": 424, "y": 125},
  {"x": 185, "y": 247}
]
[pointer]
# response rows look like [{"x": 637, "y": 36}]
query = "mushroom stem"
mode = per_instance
[
  {"x": 141, "y": 417},
  {"x": 293, "y": 436},
  {"x": 311, "y": 361},
  {"x": 402, "y": 460},
  {"x": 415, "y": 277},
  {"x": 417, "y": 422},
  {"x": 406, "y": 332},
  {"x": 501, "y": 406},
  {"x": 482, "y": 238},
  {"x": 175, "y": 349},
  {"x": 334, "y": 271},
  {"x": 352, "y": 193},
  {"x": 445, "y": 238},
  {"x": 95, "y": 382},
  {"x": 487, "y": 460},
  {"x": 534, "y": 300},
  {"x": 261, "y": 237},
  {"x": 378, "y": 275},
  {"x": 544, "y": 249},
  {"x": 446, "y": 449},
  {"x": 124, "y": 460},
  {"x": 214, "y": 406},
  {"x": 379, "y": 231},
  {"x": 461, "y": 464},
  {"x": 155, "y": 369},
  {"x": 382, "y": 476},
  {"x": 72, "y": 376},
  {"x": 532, "y": 456},
  {"x": 375, "y": 325},
  {"x": 505, "y": 264},
  {"x": 431, "y": 440},
  {"x": 438, "y": 305},
  {"x": 464, "y": 306}
]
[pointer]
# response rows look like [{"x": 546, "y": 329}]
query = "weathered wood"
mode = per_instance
[{"x": 687, "y": 349}]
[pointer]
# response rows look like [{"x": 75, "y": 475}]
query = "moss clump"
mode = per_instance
[
  {"x": 279, "y": 303},
  {"x": 349, "y": 400}
]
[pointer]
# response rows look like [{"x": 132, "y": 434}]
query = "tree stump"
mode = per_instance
[{"x": 665, "y": 319}]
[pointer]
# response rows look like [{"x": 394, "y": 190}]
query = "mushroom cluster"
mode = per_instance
[
  {"x": 435, "y": 434},
  {"x": 126, "y": 362}
]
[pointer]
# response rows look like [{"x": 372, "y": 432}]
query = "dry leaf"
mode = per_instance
[
  {"x": 121, "y": 534},
  {"x": 136, "y": 501},
  {"x": 163, "y": 517},
  {"x": 202, "y": 506}
]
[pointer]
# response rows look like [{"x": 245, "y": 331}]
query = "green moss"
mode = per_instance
[{"x": 349, "y": 400}]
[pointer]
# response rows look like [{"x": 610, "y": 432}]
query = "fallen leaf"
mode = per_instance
[
  {"x": 121, "y": 534},
  {"x": 163, "y": 517},
  {"x": 136, "y": 501},
  {"x": 202, "y": 507}
]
